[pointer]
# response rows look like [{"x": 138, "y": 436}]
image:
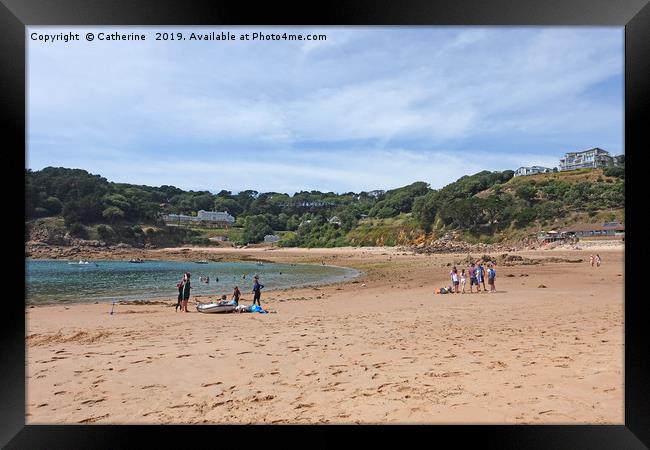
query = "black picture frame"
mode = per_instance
[{"x": 634, "y": 15}]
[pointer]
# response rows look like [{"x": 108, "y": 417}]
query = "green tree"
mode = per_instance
[
  {"x": 113, "y": 214},
  {"x": 255, "y": 228}
]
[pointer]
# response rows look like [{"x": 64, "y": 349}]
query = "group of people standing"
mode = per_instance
[
  {"x": 184, "y": 286},
  {"x": 595, "y": 260},
  {"x": 477, "y": 274}
]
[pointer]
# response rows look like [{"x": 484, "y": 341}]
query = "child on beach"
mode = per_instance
[
  {"x": 179, "y": 285},
  {"x": 186, "y": 291},
  {"x": 463, "y": 280},
  {"x": 492, "y": 274},
  {"x": 235, "y": 295},
  {"x": 597, "y": 260},
  {"x": 454, "y": 279},
  {"x": 480, "y": 276},
  {"x": 591, "y": 260}
]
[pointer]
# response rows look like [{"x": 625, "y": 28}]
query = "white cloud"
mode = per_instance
[{"x": 408, "y": 101}]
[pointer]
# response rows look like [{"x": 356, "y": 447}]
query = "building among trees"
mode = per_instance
[
  {"x": 523, "y": 171},
  {"x": 595, "y": 229},
  {"x": 211, "y": 217}
]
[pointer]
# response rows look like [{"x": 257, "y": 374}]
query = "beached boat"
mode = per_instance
[
  {"x": 215, "y": 308},
  {"x": 136, "y": 261}
]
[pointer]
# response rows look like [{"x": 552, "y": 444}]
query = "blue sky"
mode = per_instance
[{"x": 370, "y": 108}]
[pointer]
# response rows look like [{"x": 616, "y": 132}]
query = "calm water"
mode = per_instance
[{"x": 59, "y": 282}]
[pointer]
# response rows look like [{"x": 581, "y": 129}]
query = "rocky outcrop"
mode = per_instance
[{"x": 453, "y": 246}]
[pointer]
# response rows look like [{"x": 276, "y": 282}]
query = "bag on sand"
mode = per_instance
[{"x": 257, "y": 308}]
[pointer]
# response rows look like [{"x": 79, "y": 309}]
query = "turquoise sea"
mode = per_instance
[{"x": 56, "y": 281}]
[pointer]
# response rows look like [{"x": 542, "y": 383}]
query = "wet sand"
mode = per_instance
[{"x": 382, "y": 348}]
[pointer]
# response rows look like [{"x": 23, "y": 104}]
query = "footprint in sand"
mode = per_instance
[
  {"x": 93, "y": 401},
  {"x": 93, "y": 419},
  {"x": 150, "y": 386},
  {"x": 303, "y": 405}
]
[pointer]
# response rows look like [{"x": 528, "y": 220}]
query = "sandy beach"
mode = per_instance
[{"x": 382, "y": 348}]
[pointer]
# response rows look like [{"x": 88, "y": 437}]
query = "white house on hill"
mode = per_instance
[
  {"x": 588, "y": 159},
  {"x": 522, "y": 171}
]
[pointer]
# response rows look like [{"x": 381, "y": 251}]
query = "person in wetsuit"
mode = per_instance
[{"x": 257, "y": 287}]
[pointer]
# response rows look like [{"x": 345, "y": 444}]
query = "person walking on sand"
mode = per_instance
[
  {"x": 186, "y": 291},
  {"x": 492, "y": 274},
  {"x": 257, "y": 287},
  {"x": 591, "y": 260},
  {"x": 598, "y": 260},
  {"x": 463, "y": 280},
  {"x": 472, "y": 279},
  {"x": 235, "y": 295},
  {"x": 454, "y": 279}
]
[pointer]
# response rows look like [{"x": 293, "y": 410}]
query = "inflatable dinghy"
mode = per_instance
[{"x": 213, "y": 308}]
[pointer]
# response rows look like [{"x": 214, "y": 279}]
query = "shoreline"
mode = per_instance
[
  {"x": 383, "y": 349},
  {"x": 144, "y": 300},
  {"x": 44, "y": 251}
]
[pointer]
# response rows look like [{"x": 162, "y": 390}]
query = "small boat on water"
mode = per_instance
[
  {"x": 215, "y": 308},
  {"x": 136, "y": 260},
  {"x": 201, "y": 262},
  {"x": 81, "y": 262}
]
